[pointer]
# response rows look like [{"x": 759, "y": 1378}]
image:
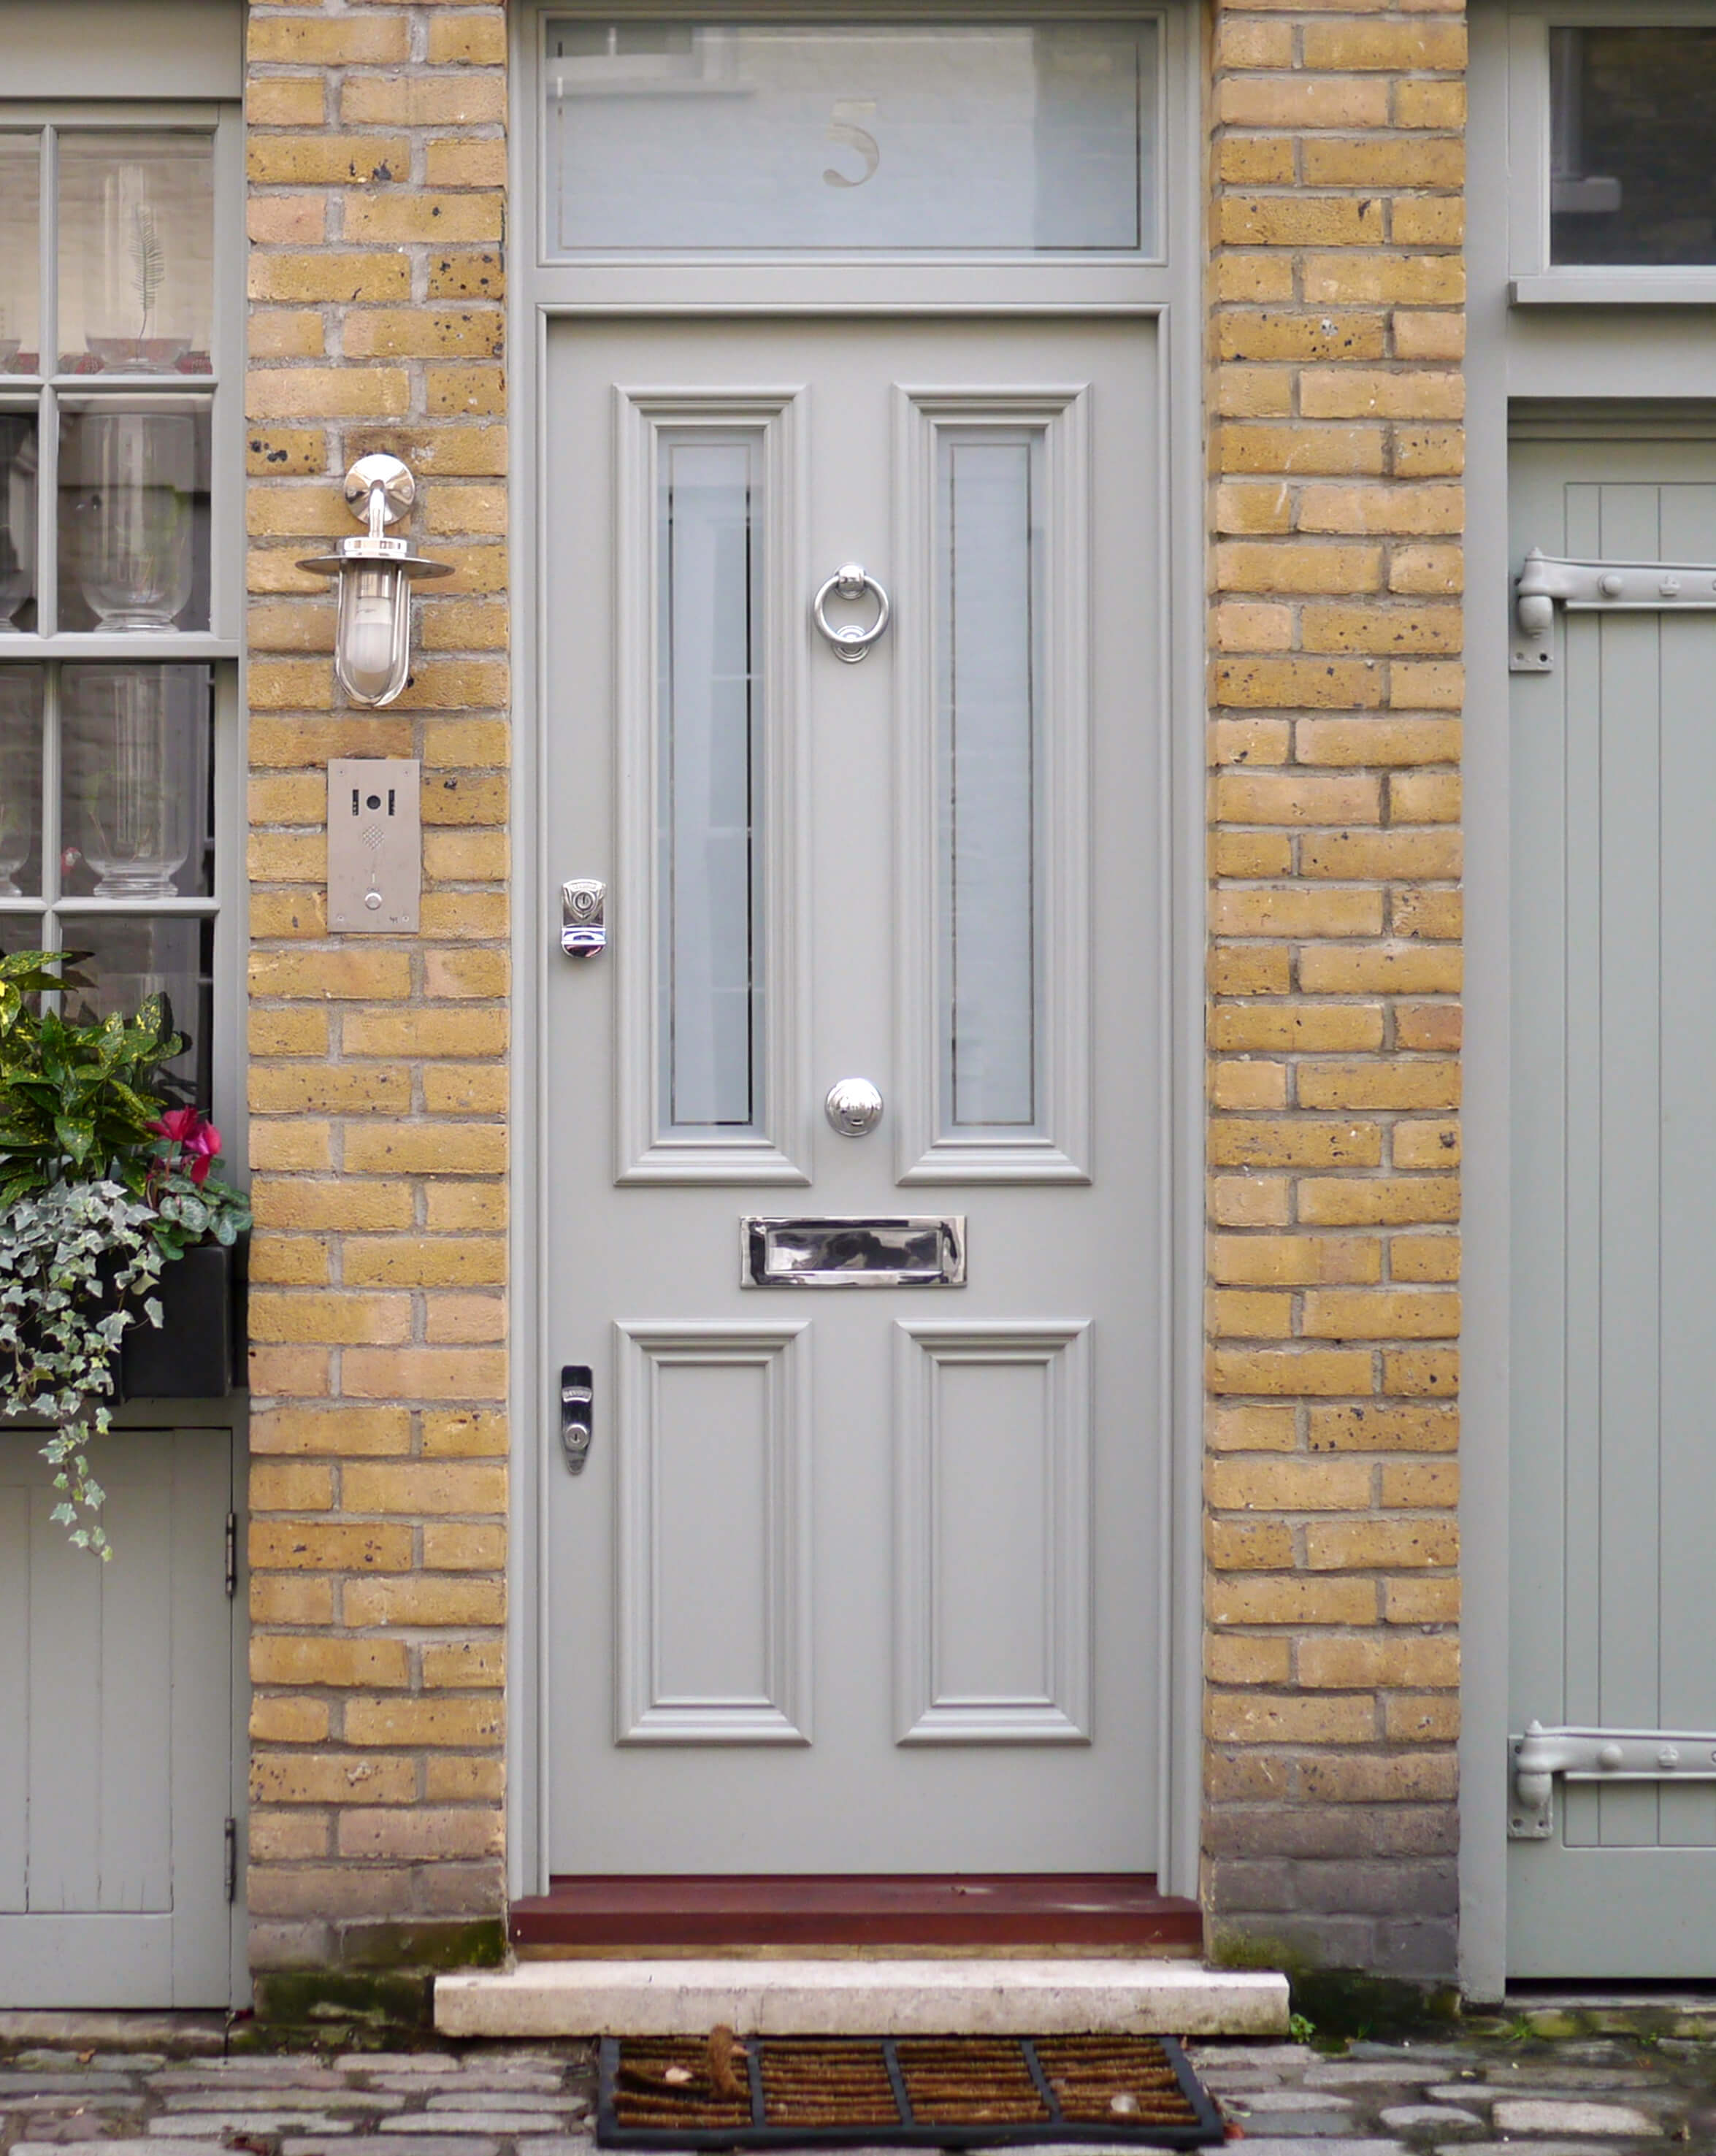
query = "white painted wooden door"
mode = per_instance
[
  {"x": 856, "y": 1578},
  {"x": 115, "y": 1730},
  {"x": 1613, "y": 1593}
]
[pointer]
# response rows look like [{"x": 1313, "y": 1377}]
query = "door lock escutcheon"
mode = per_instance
[
  {"x": 577, "y": 1402},
  {"x": 583, "y": 917}
]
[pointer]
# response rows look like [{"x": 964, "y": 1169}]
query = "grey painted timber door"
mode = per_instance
[
  {"x": 855, "y": 1579},
  {"x": 115, "y": 1730},
  {"x": 1613, "y": 1508}
]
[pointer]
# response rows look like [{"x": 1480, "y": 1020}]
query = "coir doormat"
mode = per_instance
[{"x": 910, "y": 2091}]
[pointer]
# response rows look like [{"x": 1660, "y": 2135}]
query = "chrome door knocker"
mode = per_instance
[{"x": 850, "y": 581}]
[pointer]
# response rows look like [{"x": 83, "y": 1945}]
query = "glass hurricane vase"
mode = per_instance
[
  {"x": 137, "y": 513},
  {"x": 130, "y": 784}
]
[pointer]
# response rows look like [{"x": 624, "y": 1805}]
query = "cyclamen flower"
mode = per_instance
[{"x": 189, "y": 1131}]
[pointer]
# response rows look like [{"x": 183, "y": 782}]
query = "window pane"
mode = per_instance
[
  {"x": 927, "y": 136},
  {"x": 134, "y": 515},
  {"x": 18, "y": 464},
  {"x": 20, "y": 782},
  {"x": 131, "y": 956},
  {"x": 20, "y": 252},
  {"x": 20, "y": 932},
  {"x": 1632, "y": 178},
  {"x": 988, "y": 547},
  {"x": 136, "y": 250},
  {"x": 708, "y": 605},
  {"x": 133, "y": 790}
]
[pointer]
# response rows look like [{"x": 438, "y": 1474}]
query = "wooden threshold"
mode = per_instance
[{"x": 1008, "y": 1913}]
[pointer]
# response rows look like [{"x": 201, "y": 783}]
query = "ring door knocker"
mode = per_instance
[{"x": 850, "y": 581}]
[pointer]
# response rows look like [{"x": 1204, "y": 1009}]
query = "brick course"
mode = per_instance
[
  {"x": 1336, "y": 331},
  {"x": 376, "y": 153}
]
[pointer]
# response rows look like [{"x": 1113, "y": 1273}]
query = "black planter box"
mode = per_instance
[{"x": 189, "y": 1356}]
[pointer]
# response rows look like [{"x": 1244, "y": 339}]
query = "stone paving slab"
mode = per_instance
[
  {"x": 1526, "y": 2148},
  {"x": 161, "y": 2146},
  {"x": 1403, "y": 2118},
  {"x": 369, "y": 2144},
  {"x": 1542, "y": 2115},
  {"x": 216, "y": 2125},
  {"x": 341, "y": 2097},
  {"x": 495, "y": 2099}
]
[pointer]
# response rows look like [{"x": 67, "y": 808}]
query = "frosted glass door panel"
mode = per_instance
[
  {"x": 1016, "y": 137},
  {"x": 989, "y": 544},
  {"x": 708, "y": 618}
]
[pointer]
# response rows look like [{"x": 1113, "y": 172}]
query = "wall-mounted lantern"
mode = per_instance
[{"x": 373, "y": 636}]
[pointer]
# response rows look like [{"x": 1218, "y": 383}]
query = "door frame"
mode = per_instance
[
  {"x": 1575, "y": 368},
  {"x": 1169, "y": 292}
]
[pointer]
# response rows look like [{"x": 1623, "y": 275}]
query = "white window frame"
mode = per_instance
[
  {"x": 221, "y": 645},
  {"x": 1534, "y": 281}
]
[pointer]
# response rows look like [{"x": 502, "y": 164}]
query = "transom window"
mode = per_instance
[
  {"x": 119, "y": 592},
  {"x": 1015, "y": 136}
]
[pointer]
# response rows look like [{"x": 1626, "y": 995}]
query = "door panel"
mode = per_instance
[
  {"x": 857, "y": 1579},
  {"x": 115, "y": 1730},
  {"x": 1614, "y": 1234}
]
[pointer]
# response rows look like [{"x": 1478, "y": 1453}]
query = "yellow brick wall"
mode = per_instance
[
  {"x": 1336, "y": 324},
  {"x": 378, "y": 1081},
  {"x": 377, "y": 213}
]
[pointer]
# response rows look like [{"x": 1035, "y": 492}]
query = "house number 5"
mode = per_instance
[{"x": 843, "y": 128}]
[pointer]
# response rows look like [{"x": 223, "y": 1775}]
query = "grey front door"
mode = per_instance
[
  {"x": 1613, "y": 1508},
  {"x": 116, "y": 1730},
  {"x": 855, "y": 1579}
]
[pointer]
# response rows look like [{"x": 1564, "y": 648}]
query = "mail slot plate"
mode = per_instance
[{"x": 916, "y": 1250}]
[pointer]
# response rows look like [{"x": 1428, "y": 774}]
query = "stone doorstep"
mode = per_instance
[{"x": 974, "y": 1997}]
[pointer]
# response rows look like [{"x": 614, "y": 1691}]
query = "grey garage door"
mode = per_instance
[{"x": 1614, "y": 1231}]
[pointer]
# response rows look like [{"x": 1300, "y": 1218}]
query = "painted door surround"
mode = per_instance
[{"x": 568, "y": 305}]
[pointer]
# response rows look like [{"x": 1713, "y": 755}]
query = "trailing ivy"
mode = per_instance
[{"x": 77, "y": 1262}]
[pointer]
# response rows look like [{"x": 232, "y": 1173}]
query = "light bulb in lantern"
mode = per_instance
[{"x": 372, "y": 653}]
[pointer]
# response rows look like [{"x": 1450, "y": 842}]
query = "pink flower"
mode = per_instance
[{"x": 189, "y": 1130}]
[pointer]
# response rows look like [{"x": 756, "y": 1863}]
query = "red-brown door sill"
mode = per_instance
[{"x": 874, "y": 1913}]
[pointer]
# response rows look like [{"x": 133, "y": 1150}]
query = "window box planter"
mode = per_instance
[
  {"x": 189, "y": 1357},
  {"x": 193, "y": 1353}
]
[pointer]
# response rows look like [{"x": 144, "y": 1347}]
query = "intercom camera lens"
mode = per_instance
[{"x": 372, "y": 801}]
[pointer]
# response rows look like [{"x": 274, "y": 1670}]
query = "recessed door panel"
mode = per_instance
[{"x": 855, "y": 713}]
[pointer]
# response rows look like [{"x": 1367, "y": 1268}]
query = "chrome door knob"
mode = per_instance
[{"x": 853, "y": 1106}]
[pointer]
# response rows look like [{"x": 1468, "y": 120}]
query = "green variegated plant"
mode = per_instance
[{"x": 102, "y": 1186}]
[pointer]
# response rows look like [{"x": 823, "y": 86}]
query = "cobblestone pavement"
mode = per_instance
[{"x": 1615, "y": 2096}]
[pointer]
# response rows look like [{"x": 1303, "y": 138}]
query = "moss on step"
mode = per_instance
[{"x": 383, "y": 1984}]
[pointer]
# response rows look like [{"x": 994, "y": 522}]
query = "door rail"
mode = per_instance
[{"x": 1598, "y": 1755}]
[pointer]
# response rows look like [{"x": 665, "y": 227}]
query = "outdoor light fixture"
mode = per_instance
[{"x": 373, "y": 636}]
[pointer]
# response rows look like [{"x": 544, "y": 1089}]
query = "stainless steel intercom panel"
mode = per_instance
[{"x": 374, "y": 845}]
